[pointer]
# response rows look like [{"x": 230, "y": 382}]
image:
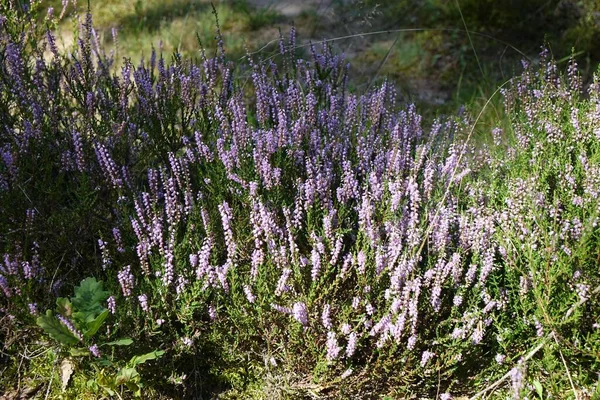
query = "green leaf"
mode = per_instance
[
  {"x": 89, "y": 299},
  {"x": 120, "y": 342},
  {"x": 137, "y": 360},
  {"x": 135, "y": 388},
  {"x": 126, "y": 375},
  {"x": 57, "y": 331},
  {"x": 538, "y": 388},
  {"x": 95, "y": 324},
  {"x": 64, "y": 306},
  {"x": 79, "y": 352}
]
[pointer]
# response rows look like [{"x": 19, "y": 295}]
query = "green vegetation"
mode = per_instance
[{"x": 199, "y": 224}]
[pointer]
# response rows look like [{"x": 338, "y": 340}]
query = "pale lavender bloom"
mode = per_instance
[
  {"x": 445, "y": 396},
  {"x": 111, "y": 304},
  {"x": 333, "y": 350},
  {"x": 106, "y": 262},
  {"x": 70, "y": 327},
  {"x": 500, "y": 358},
  {"x": 169, "y": 272},
  {"x": 351, "y": 346},
  {"x": 33, "y": 310},
  {"x": 517, "y": 380},
  {"x": 281, "y": 284},
  {"x": 346, "y": 328},
  {"x": 539, "y": 328},
  {"x": 281, "y": 309},
  {"x": 117, "y": 235},
  {"x": 316, "y": 263},
  {"x": 477, "y": 335},
  {"x": 247, "y": 290},
  {"x": 426, "y": 356},
  {"x": 212, "y": 312},
  {"x": 412, "y": 341},
  {"x": 143, "y": 299},
  {"x": 300, "y": 313},
  {"x": 582, "y": 290},
  {"x": 126, "y": 280},
  {"x": 325, "y": 316},
  {"x": 95, "y": 351},
  {"x": 355, "y": 302},
  {"x": 226, "y": 216},
  {"x": 187, "y": 341}
]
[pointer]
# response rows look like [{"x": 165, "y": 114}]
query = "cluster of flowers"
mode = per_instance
[{"x": 332, "y": 209}]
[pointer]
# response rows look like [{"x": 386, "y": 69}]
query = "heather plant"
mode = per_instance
[{"x": 283, "y": 231}]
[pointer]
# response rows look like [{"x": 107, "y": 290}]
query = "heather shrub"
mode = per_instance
[{"x": 282, "y": 236}]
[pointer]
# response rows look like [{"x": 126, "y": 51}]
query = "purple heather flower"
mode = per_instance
[
  {"x": 247, "y": 290},
  {"x": 333, "y": 350},
  {"x": 325, "y": 316},
  {"x": 517, "y": 380},
  {"x": 33, "y": 310},
  {"x": 126, "y": 280},
  {"x": 426, "y": 356},
  {"x": 500, "y": 358},
  {"x": 95, "y": 351},
  {"x": 70, "y": 326},
  {"x": 212, "y": 312},
  {"x": 351, "y": 346},
  {"x": 143, "y": 299},
  {"x": 300, "y": 313},
  {"x": 111, "y": 304}
]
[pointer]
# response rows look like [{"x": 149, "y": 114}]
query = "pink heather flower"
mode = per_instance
[
  {"x": 500, "y": 358},
  {"x": 333, "y": 350},
  {"x": 111, "y": 304},
  {"x": 346, "y": 328},
  {"x": 70, "y": 326},
  {"x": 143, "y": 299},
  {"x": 95, "y": 351},
  {"x": 126, "y": 280},
  {"x": 212, "y": 312},
  {"x": 426, "y": 356},
  {"x": 251, "y": 298},
  {"x": 445, "y": 396},
  {"x": 281, "y": 284},
  {"x": 300, "y": 313},
  {"x": 517, "y": 380},
  {"x": 325, "y": 317},
  {"x": 351, "y": 346},
  {"x": 412, "y": 341},
  {"x": 355, "y": 302}
]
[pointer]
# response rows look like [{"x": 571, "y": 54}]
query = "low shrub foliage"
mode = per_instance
[{"x": 256, "y": 228}]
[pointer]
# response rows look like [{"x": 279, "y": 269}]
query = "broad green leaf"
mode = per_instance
[
  {"x": 137, "y": 360},
  {"x": 57, "y": 331},
  {"x": 538, "y": 388},
  {"x": 64, "y": 306},
  {"x": 126, "y": 375},
  {"x": 95, "y": 324},
  {"x": 120, "y": 342},
  {"x": 79, "y": 352},
  {"x": 135, "y": 388},
  {"x": 89, "y": 299}
]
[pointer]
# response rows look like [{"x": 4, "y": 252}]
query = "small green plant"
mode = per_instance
[{"x": 75, "y": 321}]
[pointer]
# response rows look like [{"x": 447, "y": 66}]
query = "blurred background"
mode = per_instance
[{"x": 420, "y": 45}]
